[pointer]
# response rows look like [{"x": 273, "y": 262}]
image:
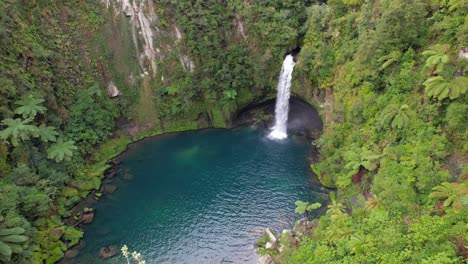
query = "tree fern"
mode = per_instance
[
  {"x": 401, "y": 118},
  {"x": 439, "y": 88},
  {"x": 30, "y": 107},
  {"x": 389, "y": 59},
  {"x": 455, "y": 194},
  {"x": 437, "y": 57},
  {"x": 61, "y": 150},
  {"x": 47, "y": 133},
  {"x": 17, "y": 130}
]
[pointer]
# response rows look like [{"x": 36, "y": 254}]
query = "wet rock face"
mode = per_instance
[{"x": 303, "y": 119}]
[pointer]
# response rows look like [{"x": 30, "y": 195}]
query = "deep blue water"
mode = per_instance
[{"x": 200, "y": 197}]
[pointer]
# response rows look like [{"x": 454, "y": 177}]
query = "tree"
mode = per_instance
[
  {"x": 373, "y": 202},
  {"x": 61, "y": 150},
  {"x": 10, "y": 241},
  {"x": 335, "y": 209},
  {"x": 47, "y": 133},
  {"x": 455, "y": 194},
  {"x": 439, "y": 88},
  {"x": 401, "y": 118},
  {"x": 396, "y": 117},
  {"x": 30, "y": 107},
  {"x": 352, "y": 2},
  {"x": 437, "y": 57},
  {"x": 17, "y": 130},
  {"x": 389, "y": 59},
  {"x": 304, "y": 207}
]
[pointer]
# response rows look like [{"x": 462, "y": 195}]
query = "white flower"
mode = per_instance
[
  {"x": 136, "y": 256},
  {"x": 125, "y": 250}
]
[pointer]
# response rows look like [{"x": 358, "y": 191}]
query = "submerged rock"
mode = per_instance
[
  {"x": 265, "y": 260},
  {"x": 127, "y": 177},
  {"x": 108, "y": 252},
  {"x": 109, "y": 188},
  {"x": 110, "y": 173},
  {"x": 71, "y": 253}
]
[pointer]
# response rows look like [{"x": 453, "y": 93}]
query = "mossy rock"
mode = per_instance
[
  {"x": 69, "y": 192},
  {"x": 217, "y": 118},
  {"x": 41, "y": 235},
  {"x": 54, "y": 221},
  {"x": 84, "y": 194},
  {"x": 56, "y": 233},
  {"x": 53, "y": 256},
  {"x": 72, "y": 235}
]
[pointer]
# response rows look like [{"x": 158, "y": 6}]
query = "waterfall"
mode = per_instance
[{"x": 279, "y": 130}]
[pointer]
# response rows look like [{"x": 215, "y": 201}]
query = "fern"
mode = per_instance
[
  {"x": 61, "y": 150},
  {"x": 30, "y": 107},
  {"x": 17, "y": 130}
]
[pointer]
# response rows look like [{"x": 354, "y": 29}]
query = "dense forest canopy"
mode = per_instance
[{"x": 388, "y": 77}]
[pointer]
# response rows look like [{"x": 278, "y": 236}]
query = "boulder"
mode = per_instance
[
  {"x": 108, "y": 252},
  {"x": 56, "y": 233},
  {"x": 265, "y": 260},
  {"x": 300, "y": 227},
  {"x": 272, "y": 235},
  {"x": 281, "y": 248},
  {"x": 271, "y": 245},
  {"x": 114, "y": 162},
  {"x": 112, "y": 90},
  {"x": 87, "y": 218},
  {"x": 286, "y": 233},
  {"x": 81, "y": 245},
  {"x": 110, "y": 173},
  {"x": 71, "y": 253}
]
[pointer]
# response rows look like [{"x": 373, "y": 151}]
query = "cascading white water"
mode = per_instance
[{"x": 279, "y": 130}]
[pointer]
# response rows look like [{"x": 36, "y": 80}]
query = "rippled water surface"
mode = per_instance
[{"x": 200, "y": 197}]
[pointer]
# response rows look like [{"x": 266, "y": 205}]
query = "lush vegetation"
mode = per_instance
[
  {"x": 395, "y": 144},
  {"x": 388, "y": 74}
]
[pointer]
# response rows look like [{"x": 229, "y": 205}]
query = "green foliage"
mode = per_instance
[
  {"x": 389, "y": 59},
  {"x": 90, "y": 122},
  {"x": 10, "y": 241},
  {"x": 437, "y": 57},
  {"x": 61, "y": 150},
  {"x": 394, "y": 116},
  {"x": 455, "y": 194},
  {"x": 30, "y": 107},
  {"x": 302, "y": 207},
  {"x": 230, "y": 94},
  {"x": 439, "y": 88},
  {"x": 47, "y": 133},
  {"x": 457, "y": 117},
  {"x": 17, "y": 130},
  {"x": 385, "y": 146}
]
